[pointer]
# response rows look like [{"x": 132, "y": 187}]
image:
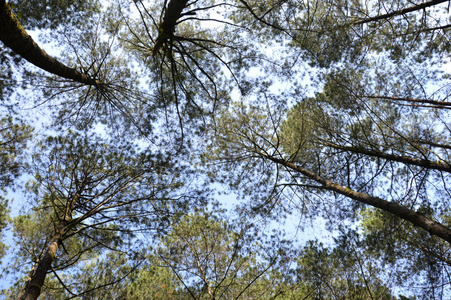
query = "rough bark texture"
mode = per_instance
[
  {"x": 32, "y": 288},
  {"x": 14, "y": 36},
  {"x": 402, "y": 212},
  {"x": 167, "y": 27}
]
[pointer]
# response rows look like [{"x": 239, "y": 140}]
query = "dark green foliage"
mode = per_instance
[
  {"x": 13, "y": 139},
  {"x": 53, "y": 13},
  {"x": 342, "y": 272},
  {"x": 216, "y": 259},
  {"x": 320, "y": 109},
  {"x": 409, "y": 252},
  {"x": 4, "y": 218},
  {"x": 99, "y": 197}
]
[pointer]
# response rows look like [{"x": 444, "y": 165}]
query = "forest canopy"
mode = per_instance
[{"x": 235, "y": 149}]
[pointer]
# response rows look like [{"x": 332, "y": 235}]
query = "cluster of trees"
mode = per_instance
[{"x": 117, "y": 143}]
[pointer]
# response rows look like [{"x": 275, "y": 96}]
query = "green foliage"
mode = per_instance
[
  {"x": 328, "y": 33},
  {"x": 53, "y": 13},
  {"x": 102, "y": 195},
  {"x": 275, "y": 100},
  {"x": 342, "y": 272},
  {"x": 4, "y": 218},
  {"x": 153, "y": 280},
  {"x": 13, "y": 139},
  {"x": 356, "y": 140},
  {"x": 9, "y": 65},
  {"x": 218, "y": 259},
  {"x": 115, "y": 276},
  {"x": 306, "y": 125},
  {"x": 407, "y": 251}
]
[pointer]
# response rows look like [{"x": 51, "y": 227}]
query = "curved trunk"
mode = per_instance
[{"x": 14, "y": 36}]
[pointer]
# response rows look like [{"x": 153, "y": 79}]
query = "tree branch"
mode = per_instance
[
  {"x": 402, "y": 212},
  {"x": 401, "y": 11}
]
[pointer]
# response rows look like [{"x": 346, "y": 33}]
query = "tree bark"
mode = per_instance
[
  {"x": 425, "y": 163},
  {"x": 14, "y": 36},
  {"x": 416, "y": 102},
  {"x": 401, "y": 11},
  {"x": 167, "y": 27},
  {"x": 400, "y": 211},
  {"x": 32, "y": 288}
]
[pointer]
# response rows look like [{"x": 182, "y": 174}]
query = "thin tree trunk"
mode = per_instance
[
  {"x": 425, "y": 163},
  {"x": 32, "y": 288},
  {"x": 401, "y": 11},
  {"x": 400, "y": 211},
  {"x": 438, "y": 104},
  {"x": 14, "y": 36},
  {"x": 203, "y": 275}
]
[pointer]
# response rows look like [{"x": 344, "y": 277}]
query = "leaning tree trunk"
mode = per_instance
[
  {"x": 425, "y": 163},
  {"x": 417, "y": 219},
  {"x": 34, "y": 283},
  {"x": 14, "y": 36},
  {"x": 403, "y": 11}
]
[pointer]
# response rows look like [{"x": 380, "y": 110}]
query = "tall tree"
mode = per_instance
[
  {"x": 341, "y": 272},
  {"x": 89, "y": 196},
  {"x": 215, "y": 259},
  {"x": 299, "y": 159},
  {"x": 368, "y": 128},
  {"x": 13, "y": 139},
  {"x": 428, "y": 259}
]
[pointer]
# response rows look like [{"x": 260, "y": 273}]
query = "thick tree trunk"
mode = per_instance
[
  {"x": 400, "y": 211},
  {"x": 14, "y": 36},
  {"x": 32, "y": 288},
  {"x": 166, "y": 31}
]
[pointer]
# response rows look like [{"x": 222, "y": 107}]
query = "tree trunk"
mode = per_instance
[
  {"x": 32, "y": 288},
  {"x": 425, "y": 163},
  {"x": 166, "y": 30},
  {"x": 435, "y": 103},
  {"x": 14, "y": 36},
  {"x": 401, "y": 11},
  {"x": 400, "y": 211}
]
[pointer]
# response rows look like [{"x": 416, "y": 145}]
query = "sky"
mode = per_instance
[{"x": 315, "y": 230}]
